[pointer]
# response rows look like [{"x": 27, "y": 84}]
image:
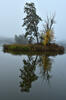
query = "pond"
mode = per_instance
[{"x": 36, "y": 77}]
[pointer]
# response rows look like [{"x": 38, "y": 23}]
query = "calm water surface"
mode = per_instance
[{"x": 25, "y": 77}]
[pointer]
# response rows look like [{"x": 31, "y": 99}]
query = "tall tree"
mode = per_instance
[{"x": 31, "y": 21}]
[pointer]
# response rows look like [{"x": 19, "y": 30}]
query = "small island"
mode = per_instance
[
  {"x": 34, "y": 49},
  {"x": 45, "y": 39}
]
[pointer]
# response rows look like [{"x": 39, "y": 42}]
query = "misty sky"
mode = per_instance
[{"x": 12, "y": 13}]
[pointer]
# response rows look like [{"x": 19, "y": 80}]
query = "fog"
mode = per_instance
[{"x": 12, "y": 13}]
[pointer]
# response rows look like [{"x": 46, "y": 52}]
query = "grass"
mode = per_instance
[{"x": 33, "y": 48}]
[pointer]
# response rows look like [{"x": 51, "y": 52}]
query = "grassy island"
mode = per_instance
[
  {"x": 34, "y": 48},
  {"x": 43, "y": 41}
]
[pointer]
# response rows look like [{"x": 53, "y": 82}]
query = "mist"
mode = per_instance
[{"x": 12, "y": 13}]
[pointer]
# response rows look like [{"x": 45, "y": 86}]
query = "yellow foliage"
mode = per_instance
[{"x": 49, "y": 36}]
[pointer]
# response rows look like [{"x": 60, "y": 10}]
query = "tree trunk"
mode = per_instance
[{"x": 37, "y": 40}]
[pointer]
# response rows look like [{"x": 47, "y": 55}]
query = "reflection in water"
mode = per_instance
[
  {"x": 46, "y": 69},
  {"x": 28, "y": 74}
]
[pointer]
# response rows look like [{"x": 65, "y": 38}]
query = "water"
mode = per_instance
[{"x": 35, "y": 77}]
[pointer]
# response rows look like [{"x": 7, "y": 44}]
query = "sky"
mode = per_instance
[{"x": 12, "y": 14}]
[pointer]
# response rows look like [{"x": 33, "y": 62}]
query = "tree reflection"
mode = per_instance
[
  {"x": 47, "y": 65},
  {"x": 28, "y": 73}
]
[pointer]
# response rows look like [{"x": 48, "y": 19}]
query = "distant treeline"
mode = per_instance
[
  {"x": 6, "y": 40},
  {"x": 21, "y": 39}
]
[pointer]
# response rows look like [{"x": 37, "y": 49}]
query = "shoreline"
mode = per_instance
[{"x": 33, "y": 48}]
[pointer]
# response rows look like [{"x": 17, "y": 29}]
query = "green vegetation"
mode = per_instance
[
  {"x": 34, "y": 48},
  {"x": 31, "y": 22}
]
